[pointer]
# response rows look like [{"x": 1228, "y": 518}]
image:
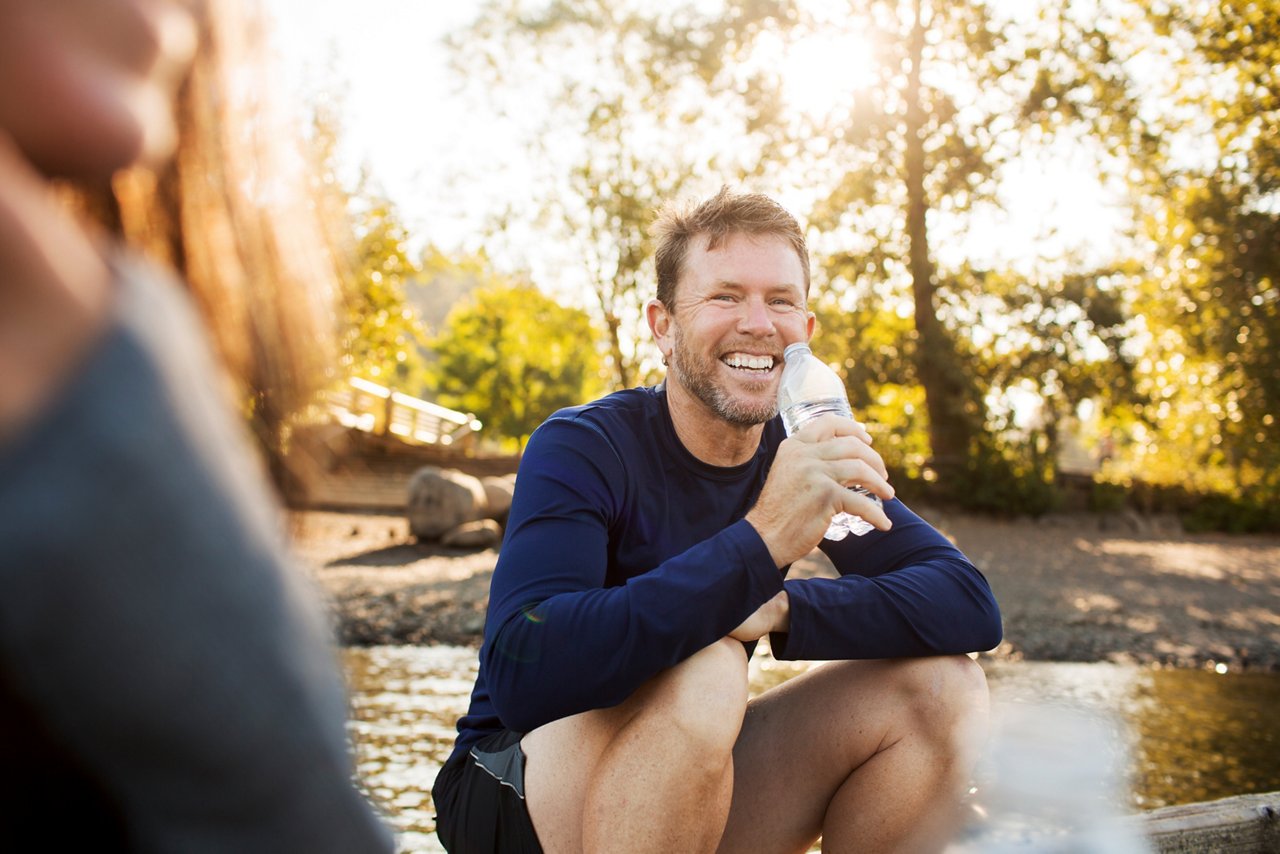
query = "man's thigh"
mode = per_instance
[
  {"x": 802, "y": 740},
  {"x": 561, "y": 758},
  {"x": 636, "y": 745}
]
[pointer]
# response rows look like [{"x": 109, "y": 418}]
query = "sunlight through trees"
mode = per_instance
[{"x": 902, "y": 131}]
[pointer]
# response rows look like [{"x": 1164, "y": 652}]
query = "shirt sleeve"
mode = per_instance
[
  {"x": 557, "y": 640},
  {"x": 903, "y": 592}
]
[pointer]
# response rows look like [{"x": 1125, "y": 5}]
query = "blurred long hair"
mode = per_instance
[{"x": 236, "y": 215}]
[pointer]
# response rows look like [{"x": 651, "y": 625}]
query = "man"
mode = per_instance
[{"x": 646, "y": 551}]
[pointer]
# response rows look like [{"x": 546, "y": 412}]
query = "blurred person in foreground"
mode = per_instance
[
  {"x": 646, "y": 553},
  {"x": 167, "y": 679}
]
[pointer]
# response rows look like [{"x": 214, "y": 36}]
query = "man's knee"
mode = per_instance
[
  {"x": 946, "y": 696},
  {"x": 704, "y": 698}
]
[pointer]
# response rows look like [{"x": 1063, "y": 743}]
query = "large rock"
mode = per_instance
[
  {"x": 498, "y": 492},
  {"x": 442, "y": 499},
  {"x": 482, "y": 534}
]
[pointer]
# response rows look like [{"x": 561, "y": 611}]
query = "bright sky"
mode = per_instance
[
  {"x": 436, "y": 155},
  {"x": 403, "y": 118}
]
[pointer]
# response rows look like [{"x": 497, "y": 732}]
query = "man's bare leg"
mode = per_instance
[
  {"x": 872, "y": 755},
  {"x": 653, "y": 774}
]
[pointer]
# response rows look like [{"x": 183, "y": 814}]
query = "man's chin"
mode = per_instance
[
  {"x": 751, "y": 402},
  {"x": 746, "y": 413}
]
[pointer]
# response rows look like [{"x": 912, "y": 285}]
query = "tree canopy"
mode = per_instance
[{"x": 513, "y": 356}]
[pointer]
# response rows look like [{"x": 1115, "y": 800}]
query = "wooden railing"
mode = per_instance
[{"x": 376, "y": 409}]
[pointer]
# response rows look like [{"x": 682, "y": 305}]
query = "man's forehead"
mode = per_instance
[
  {"x": 737, "y": 238},
  {"x": 740, "y": 253}
]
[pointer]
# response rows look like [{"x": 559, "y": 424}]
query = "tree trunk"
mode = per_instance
[
  {"x": 937, "y": 362},
  {"x": 621, "y": 368}
]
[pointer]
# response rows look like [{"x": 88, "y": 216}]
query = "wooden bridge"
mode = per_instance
[{"x": 370, "y": 439}]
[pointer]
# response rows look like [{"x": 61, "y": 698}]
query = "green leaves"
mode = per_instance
[
  {"x": 513, "y": 356},
  {"x": 383, "y": 339}
]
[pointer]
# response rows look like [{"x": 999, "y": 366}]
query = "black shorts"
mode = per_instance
[{"x": 479, "y": 798}]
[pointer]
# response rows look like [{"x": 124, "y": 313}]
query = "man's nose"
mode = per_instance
[{"x": 755, "y": 318}]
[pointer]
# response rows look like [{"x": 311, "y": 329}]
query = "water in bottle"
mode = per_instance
[{"x": 809, "y": 389}]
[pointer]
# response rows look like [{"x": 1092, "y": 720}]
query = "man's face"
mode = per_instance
[
  {"x": 736, "y": 309},
  {"x": 86, "y": 86}
]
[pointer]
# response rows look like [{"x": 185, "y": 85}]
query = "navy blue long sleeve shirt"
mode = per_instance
[{"x": 625, "y": 554}]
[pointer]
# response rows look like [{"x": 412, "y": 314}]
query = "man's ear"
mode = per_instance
[{"x": 659, "y": 324}]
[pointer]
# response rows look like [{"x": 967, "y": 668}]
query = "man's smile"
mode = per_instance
[{"x": 752, "y": 363}]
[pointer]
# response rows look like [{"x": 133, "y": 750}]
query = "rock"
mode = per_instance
[
  {"x": 1126, "y": 520},
  {"x": 441, "y": 500},
  {"x": 1166, "y": 524},
  {"x": 481, "y": 534},
  {"x": 498, "y": 492},
  {"x": 1136, "y": 521}
]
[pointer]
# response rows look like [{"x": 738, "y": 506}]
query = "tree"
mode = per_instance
[
  {"x": 636, "y": 97},
  {"x": 382, "y": 340},
  {"x": 380, "y": 335},
  {"x": 959, "y": 94},
  {"x": 1211, "y": 301},
  {"x": 445, "y": 279},
  {"x": 513, "y": 356}
]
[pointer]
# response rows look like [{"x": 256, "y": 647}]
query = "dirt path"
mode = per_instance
[{"x": 1068, "y": 591}]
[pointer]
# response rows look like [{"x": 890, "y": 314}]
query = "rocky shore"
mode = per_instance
[{"x": 1071, "y": 588}]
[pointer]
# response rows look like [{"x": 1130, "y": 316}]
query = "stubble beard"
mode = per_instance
[{"x": 697, "y": 374}]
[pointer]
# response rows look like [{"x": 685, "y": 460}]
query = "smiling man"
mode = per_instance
[{"x": 647, "y": 551}]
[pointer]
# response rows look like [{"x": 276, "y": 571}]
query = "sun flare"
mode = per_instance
[{"x": 822, "y": 70}]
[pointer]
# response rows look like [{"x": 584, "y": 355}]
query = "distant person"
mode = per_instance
[
  {"x": 167, "y": 680},
  {"x": 646, "y": 552}
]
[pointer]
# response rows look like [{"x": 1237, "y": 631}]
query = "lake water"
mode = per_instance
[{"x": 1176, "y": 736}]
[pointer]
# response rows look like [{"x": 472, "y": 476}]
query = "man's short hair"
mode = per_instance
[{"x": 724, "y": 214}]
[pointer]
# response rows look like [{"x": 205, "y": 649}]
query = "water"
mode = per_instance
[
  {"x": 1188, "y": 735},
  {"x": 405, "y": 702},
  {"x": 794, "y": 417}
]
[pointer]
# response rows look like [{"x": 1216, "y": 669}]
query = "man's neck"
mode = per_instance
[{"x": 708, "y": 436}]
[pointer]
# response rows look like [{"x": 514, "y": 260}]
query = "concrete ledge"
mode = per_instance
[{"x": 1243, "y": 824}]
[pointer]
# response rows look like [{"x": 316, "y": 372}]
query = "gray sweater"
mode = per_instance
[{"x": 167, "y": 681}]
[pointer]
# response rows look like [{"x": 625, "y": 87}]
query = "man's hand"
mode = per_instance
[
  {"x": 772, "y": 616},
  {"x": 808, "y": 484}
]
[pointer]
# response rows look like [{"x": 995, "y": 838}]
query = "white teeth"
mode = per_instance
[{"x": 746, "y": 360}]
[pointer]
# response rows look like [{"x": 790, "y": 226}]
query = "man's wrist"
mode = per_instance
[
  {"x": 767, "y": 537},
  {"x": 782, "y": 619}
]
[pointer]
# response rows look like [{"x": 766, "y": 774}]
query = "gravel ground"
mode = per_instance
[{"x": 1071, "y": 588}]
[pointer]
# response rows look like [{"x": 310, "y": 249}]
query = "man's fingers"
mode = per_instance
[
  {"x": 829, "y": 426},
  {"x": 864, "y": 506},
  {"x": 848, "y": 427},
  {"x": 860, "y": 505},
  {"x": 853, "y": 449},
  {"x": 850, "y": 473}
]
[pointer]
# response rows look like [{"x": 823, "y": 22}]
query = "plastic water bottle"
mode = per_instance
[{"x": 809, "y": 389}]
